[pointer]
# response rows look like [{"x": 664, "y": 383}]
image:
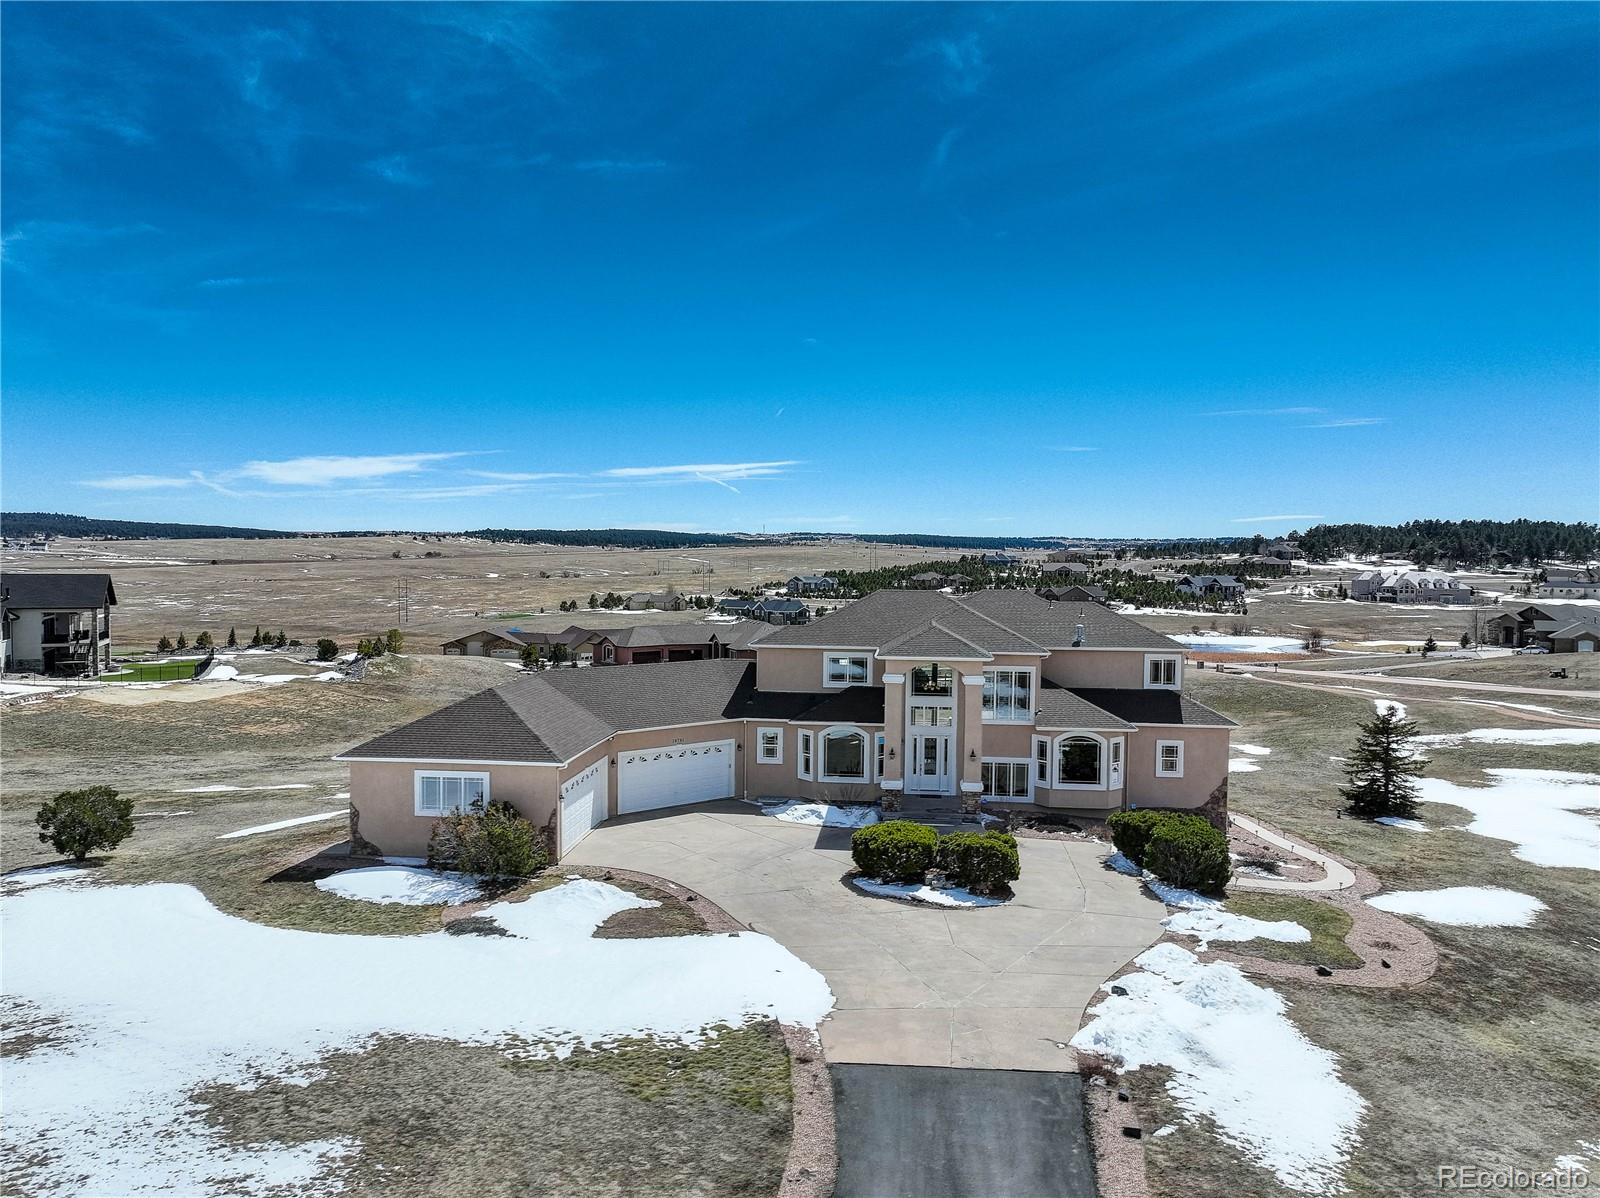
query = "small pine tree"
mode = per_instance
[
  {"x": 1381, "y": 768},
  {"x": 233, "y": 639},
  {"x": 1465, "y": 640},
  {"x": 281, "y": 641},
  {"x": 164, "y": 645},
  {"x": 327, "y": 649},
  {"x": 183, "y": 643},
  {"x": 594, "y": 601},
  {"x": 1430, "y": 646},
  {"x": 530, "y": 657},
  {"x": 204, "y": 641},
  {"x": 255, "y": 641},
  {"x": 394, "y": 640}
]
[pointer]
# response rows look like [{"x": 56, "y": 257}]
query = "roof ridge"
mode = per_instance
[{"x": 991, "y": 620}]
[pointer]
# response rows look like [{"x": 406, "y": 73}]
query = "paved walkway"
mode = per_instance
[
  {"x": 1338, "y": 877},
  {"x": 993, "y": 988},
  {"x": 960, "y": 1133}
]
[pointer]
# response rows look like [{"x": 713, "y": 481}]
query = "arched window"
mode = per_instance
[
  {"x": 1078, "y": 761},
  {"x": 844, "y": 754}
]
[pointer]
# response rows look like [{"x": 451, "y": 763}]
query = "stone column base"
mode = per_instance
[
  {"x": 969, "y": 804},
  {"x": 889, "y": 800}
]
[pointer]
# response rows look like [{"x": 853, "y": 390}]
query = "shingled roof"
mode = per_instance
[{"x": 60, "y": 592}]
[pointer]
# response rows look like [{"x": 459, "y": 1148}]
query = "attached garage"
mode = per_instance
[
  {"x": 650, "y": 779},
  {"x": 584, "y": 802}
]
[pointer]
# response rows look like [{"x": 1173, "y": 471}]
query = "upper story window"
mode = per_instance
[
  {"x": 933, "y": 681},
  {"x": 846, "y": 669},
  {"x": 1008, "y": 696},
  {"x": 932, "y": 715},
  {"x": 1163, "y": 670}
]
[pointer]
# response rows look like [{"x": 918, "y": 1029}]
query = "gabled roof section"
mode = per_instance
[
  {"x": 1153, "y": 706},
  {"x": 63, "y": 592},
  {"x": 887, "y": 619},
  {"x": 934, "y": 640},
  {"x": 481, "y": 727},
  {"x": 1054, "y": 625}
]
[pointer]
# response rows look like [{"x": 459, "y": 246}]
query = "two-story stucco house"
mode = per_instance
[
  {"x": 57, "y": 623},
  {"x": 913, "y": 696}
]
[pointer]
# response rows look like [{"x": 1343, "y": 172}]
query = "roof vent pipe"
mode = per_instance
[{"x": 1077, "y": 636}]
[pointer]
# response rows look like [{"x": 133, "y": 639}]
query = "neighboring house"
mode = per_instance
[
  {"x": 997, "y": 696},
  {"x": 1001, "y": 559},
  {"x": 658, "y": 600},
  {"x": 508, "y": 643},
  {"x": 1063, "y": 555},
  {"x": 933, "y": 580},
  {"x": 1558, "y": 627},
  {"x": 811, "y": 584},
  {"x": 57, "y": 623},
  {"x": 1064, "y": 569},
  {"x": 780, "y": 611},
  {"x": 1072, "y": 592},
  {"x": 650, "y": 643},
  {"x": 1570, "y": 584},
  {"x": 1409, "y": 586},
  {"x": 1211, "y": 586},
  {"x": 1287, "y": 551},
  {"x": 735, "y": 605}
]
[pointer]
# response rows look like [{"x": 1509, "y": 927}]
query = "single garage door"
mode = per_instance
[
  {"x": 649, "y": 779},
  {"x": 583, "y": 804}
]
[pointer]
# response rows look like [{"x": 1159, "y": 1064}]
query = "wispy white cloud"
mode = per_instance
[
  {"x": 963, "y": 69},
  {"x": 1301, "y": 411},
  {"x": 228, "y": 282},
  {"x": 321, "y": 471},
  {"x": 519, "y": 476},
  {"x": 1274, "y": 519},
  {"x": 138, "y": 482},
  {"x": 1075, "y": 448},
  {"x": 717, "y": 472},
  {"x": 1351, "y": 422},
  {"x": 396, "y": 169},
  {"x": 619, "y": 167}
]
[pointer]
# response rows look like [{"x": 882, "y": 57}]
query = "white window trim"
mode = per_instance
[
  {"x": 830, "y": 657},
  {"x": 1177, "y": 672},
  {"x": 761, "y": 757},
  {"x": 1027, "y": 770},
  {"x": 806, "y": 750},
  {"x": 1167, "y": 744},
  {"x": 866, "y": 755},
  {"x": 1040, "y": 742},
  {"x": 416, "y": 788},
  {"x": 879, "y": 747},
  {"x": 1055, "y": 761},
  {"x": 1033, "y": 692}
]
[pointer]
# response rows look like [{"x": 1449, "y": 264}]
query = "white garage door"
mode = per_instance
[
  {"x": 583, "y": 804},
  {"x": 648, "y": 779}
]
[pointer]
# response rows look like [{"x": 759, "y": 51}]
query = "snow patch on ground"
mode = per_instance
[
  {"x": 45, "y": 875},
  {"x": 1217, "y": 642},
  {"x": 1464, "y": 906},
  {"x": 1384, "y": 705},
  {"x": 935, "y": 896},
  {"x": 219, "y": 787},
  {"x": 1254, "y": 750},
  {"x": 1514, "y": 736},
  {"x": 819, "y": 815},
  {"x": 1550, "y": 815},
  {"x": 1206, "y": 924},
  {"x": 1242, "y": 765},
  {"x": 401, "y": 884},
  {"x": 285, "y": 823},
  {"x": 164, "y": 993},
  {"x": 1394, "y": 821},
  {"x": 1236, "y": 1061}
]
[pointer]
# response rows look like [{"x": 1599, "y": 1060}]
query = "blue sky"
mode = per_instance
[{"x": 1143, "y": 269}]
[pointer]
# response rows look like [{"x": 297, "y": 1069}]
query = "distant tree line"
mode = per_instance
[
  {"x": 615, "y": 538},
  {"x": 57, "y": 524},
  {"x": 1462, "y": 542}
]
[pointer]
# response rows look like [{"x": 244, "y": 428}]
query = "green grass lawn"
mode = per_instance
[
  {"x": 1327, "y": 924},
  {"x": 156, "y": 671}
]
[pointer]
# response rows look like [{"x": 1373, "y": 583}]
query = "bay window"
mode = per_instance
[
  {"x": 844, "y": 754},
  {"x": 1078, "y": 762}
]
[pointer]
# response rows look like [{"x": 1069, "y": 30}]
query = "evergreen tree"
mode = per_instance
[
  {"x": 1466, "y": 640},
  {"x": 233, "y": 639},
  {"x": 281, "y": 640},
  {"x": 204, "y": 641},
  {"x": 164, "y": 645},
  {"x": 594, "y": 601},
  {"x": 1430, "y": 646},
  {"x": 394, "y": 640},
  {"x": 1381, "y": 768},
  {"x": 255, "y": 641},
  {"x": 530, "y": 657},
  {"x": 183, "y": 643}
]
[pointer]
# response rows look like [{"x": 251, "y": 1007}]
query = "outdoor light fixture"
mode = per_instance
[
  {"x": 891, "y": 752},
  {"x": 972, "y": 754}
]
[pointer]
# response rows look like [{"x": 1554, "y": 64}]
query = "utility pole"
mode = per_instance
[{"x": 402, "y": 600}]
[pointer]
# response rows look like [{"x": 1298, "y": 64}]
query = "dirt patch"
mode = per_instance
[
  {"x": 677, "y": 914},
  {"x": 443, "y": 1118}
]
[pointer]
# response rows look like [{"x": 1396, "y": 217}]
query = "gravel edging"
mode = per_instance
[{"x": 1118, "y": 1159}]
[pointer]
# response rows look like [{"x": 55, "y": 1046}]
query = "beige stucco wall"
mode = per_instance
[
  {"x": 384, "y": 795},
  {"x": 1205, "y": 766},
  {"x": 789, "y": 669},
  {"x": 1098, "y": 667}
]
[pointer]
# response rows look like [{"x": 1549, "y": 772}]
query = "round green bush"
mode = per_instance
[
  {"x": 1130, "y": 831},
  {"x": 1187, "y": 851},
  {"x": 980, "y": 861},
  {"x": 897, "y": 850}
]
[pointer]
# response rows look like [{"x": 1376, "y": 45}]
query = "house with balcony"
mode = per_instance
[
  {"x": 57, "y": 623},
  {"x": 913, "y": 698}
]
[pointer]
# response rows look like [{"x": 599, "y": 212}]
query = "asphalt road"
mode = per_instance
[{"x": 911, "y": 1132}]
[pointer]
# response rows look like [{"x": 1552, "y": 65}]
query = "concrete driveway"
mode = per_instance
[{"x": 990, "y": 988}]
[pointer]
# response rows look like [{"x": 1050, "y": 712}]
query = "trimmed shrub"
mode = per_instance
[
  {"x": 327, "y": 649},
  {"x": 1187, "y": 851},
  {"x": 496, "y": 842},
  {"x": 980, "y": 861},
  {"x": 1130, "y": 831},
  {"x": 77, "y": 822},
  {"x": 895, "y": 851}
]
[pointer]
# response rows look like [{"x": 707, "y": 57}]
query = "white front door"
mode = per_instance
[
  {"x": 583, "y": 804},
  {"x": 932, "y": 769},
  {"x": 648, "y": 779}
]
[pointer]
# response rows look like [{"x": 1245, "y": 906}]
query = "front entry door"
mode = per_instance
[{"x": 931, "y": 764}]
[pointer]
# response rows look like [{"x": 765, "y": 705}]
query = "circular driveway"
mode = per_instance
[{"x": 987, "y": 988}]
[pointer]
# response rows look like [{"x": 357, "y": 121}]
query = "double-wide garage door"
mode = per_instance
[
  {"x": 649, "y": 779},
  {"x": 583, "y": 803}
]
